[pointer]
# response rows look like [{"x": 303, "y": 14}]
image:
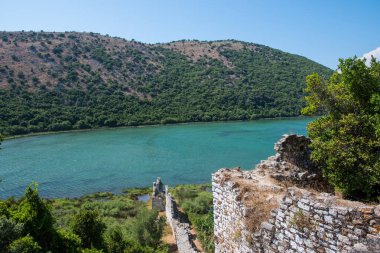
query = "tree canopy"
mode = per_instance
[
  {"x": 90, "y": 227},
  {"x": 101, "y": 222},
  {"x": 346, "y": 140}
]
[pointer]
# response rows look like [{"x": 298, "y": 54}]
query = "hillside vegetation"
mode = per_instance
[
  {"x": 101, "y": 222},
  {"x": 63, "y": 81}
]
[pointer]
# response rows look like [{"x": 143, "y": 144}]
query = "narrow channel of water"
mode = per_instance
[{"x": 77, "y": 163}]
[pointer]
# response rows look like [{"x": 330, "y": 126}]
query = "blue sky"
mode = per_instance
[{"x": 322, "y": 30}]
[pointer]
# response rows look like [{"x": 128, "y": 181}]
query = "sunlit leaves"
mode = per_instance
[{"x": 346, "y": 141}]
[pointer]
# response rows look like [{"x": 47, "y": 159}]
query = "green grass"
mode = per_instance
[{"x": 116, "y": 210}]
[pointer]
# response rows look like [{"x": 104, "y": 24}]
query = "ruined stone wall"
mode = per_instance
[
  {"x": 229, "y": 211},
  {"x": 181, "y": 230},
  {"x": 256, "y": 212},
  {"x": 158, "y": 195},
  {"x": 295, "y": 150}
]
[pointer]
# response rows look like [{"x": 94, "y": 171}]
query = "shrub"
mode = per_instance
[
  {"x": 9, "y": 231},
  {"x": 36, "y": 216},
  {"x": 67, "y": 242},
  {"x": 346, "y": 141},
  {"x": 184, "y": 192},
  {"x": 200, "y": 205},
  {"x": 89, "y": 226},
  {"x": 24, "y": 244},
  {"x": 205, "y": 231},
  {"x": 147, "y": 228},
  {"x": 115, "y": 241}
]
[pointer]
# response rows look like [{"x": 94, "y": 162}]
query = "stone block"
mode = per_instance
[
  {"x": 333, "y": 212},
  {"x": 288, "y": 201},
  {"x": 377, "y": 211},
  {"x": 329, "y": 219},
  {"x": 293, "y": 245},
  {"x": 341, "y": 210},
  {"x": 308, "y": 250},
  {"x": 327, "y": 250},
  {"x": 305, "y": 201},
  {"x": 303, "y": 206}
]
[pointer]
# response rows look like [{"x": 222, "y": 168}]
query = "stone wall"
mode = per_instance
[
  {"x": 258, "y": 211},
  {"x": 295, "y": 150},
  {"x": 158, "y": 195},
  {"x": 239, "y": 196},
  {"x": 181, "y": 229},
  {"x": 292, "y": 164},
  {"x": 229, "y": 211}
]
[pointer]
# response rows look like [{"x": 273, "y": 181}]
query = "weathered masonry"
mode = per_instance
[
  {"x": 163, "y": 201},
  {"x": 181, "y": 229},
  {"x": 158, "y": 195},
  {"x": 275, "y": 208}
]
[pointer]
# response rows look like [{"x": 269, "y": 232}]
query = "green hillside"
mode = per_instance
[{"x": 62, "y": 81}]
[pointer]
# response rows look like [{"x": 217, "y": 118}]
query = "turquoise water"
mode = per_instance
[{"x": 77, "y": 163}]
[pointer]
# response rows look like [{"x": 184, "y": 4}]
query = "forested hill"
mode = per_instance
[{"x": 61, "y": 81}]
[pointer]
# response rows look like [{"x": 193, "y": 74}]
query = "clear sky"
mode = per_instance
[{"x": 322, "y": 30}]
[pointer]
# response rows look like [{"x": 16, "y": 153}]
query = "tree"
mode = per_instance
[
  {"x": 346, "y": 140},
  {"x": 67, "y": 242},
  {"x": 9, "y": 231},
  {"x": 115, "y": 241},
  {"x": 89, "y": 226},
  {"x": 36, "y": 216},
  {"x": 147, "y": 228},
  {"x": 24, "y": 245}
]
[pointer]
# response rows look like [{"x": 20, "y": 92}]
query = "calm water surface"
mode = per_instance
[{"x": 77, "y": 163}]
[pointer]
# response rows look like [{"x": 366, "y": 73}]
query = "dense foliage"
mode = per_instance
[
  {"x": 346, "y": 141},
  {"x": 88, "y": 225},
  {"x": 147, "y": 229},
  {"x": 24, "y": 244},
  {"x": 63, "y": 81},
  {"x": 196, "y": 202},
  {"x": 95, "y": 223}
]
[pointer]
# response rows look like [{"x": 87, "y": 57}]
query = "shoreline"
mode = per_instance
[
  {"x": 134, "y": 192},
  {"x": 6, "y": 138}
]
